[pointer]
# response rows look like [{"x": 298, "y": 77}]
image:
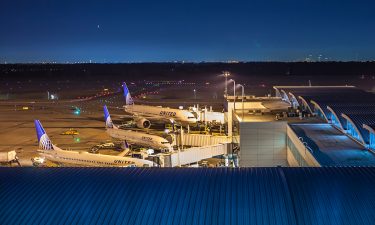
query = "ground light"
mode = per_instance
[{"x": 77, "y": 111}]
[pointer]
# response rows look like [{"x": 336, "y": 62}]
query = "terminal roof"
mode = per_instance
[
  {"x": 187, "y": 196},
  {"x": 330, "y": 147}
]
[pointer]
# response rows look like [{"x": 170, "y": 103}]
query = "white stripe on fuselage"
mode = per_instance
[
  {"x": 89, "y": 159},
  {"x": 178, "y": 115},
  {"x": 140, "y": 138}
]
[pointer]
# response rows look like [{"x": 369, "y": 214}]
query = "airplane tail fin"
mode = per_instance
[
  {"x": 107, "y": 119},
  {"x": 128, "y": 97},
  {"x": 126, "y": 149},
  {"x": 126, "y": 145},
  {"x": 43, "y": 139}
]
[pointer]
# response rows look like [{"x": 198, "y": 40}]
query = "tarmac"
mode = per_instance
[{"x": 17, "y": 131}]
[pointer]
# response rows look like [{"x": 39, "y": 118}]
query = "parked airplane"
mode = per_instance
[
  {"x": 144, "y": 114},
  {"x": 138, "y": 138},
  {"x": 56, "y": 154}
]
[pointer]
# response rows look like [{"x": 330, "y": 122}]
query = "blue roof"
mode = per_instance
[
  {"x": 346, "y": 100},
  {"x": 187, "y": 196},
  {"x": 359, "y": 120},
  {"x": 358, "y": 97},
  {"x": 363, "y": 104},
  {"x": 330, "y": 95},
  {"x": 329, "y": 92},
  {"x": 330, "y": 147},
  {"x": 351, "y": 109},
  {"x": 332, "y": 195}
]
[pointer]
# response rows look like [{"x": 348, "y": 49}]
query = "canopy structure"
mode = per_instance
[
  {"x": 346, "y": 107},
  {"x": 330, "y": 195},
  {"x": 371, "y": 130}
]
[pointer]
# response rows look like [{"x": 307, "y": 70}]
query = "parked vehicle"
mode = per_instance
[
  {"x": 7, "y": 157},
  {"x": 70, "y": 132}
]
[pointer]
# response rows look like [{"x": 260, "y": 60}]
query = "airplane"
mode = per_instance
[
  {"x": 56, "y": 154},
  {"x": 133, "y": 137},
  {"x": 144, "y": 113}
]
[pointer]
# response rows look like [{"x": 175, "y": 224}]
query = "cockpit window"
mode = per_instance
[{"x": 165, "y": 142}]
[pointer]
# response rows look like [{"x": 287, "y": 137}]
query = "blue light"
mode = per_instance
[
  {"x": 319, "y": 113},
  {"x": 335, "y": 120},
  {"x": 372, "y": 141},
  {"x": 353, "y": 132}
]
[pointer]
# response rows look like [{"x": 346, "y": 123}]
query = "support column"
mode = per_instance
[{"x": 230, "y": 120}]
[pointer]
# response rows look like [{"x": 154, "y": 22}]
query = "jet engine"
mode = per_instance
[{"x": 143, "y": 123}]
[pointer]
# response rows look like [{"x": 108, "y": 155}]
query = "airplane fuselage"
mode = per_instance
[
  {"x": 140, "y": 138},
  {"x": 89, "y": 159},
  {"x": 177, "y": 115}
]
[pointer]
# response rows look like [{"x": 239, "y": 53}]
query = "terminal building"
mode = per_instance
[{"x": 305, "y": 126}]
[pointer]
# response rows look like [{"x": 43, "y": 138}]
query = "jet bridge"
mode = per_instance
[
  {"x": 203, "y": 139},
  {"x": 193, "y": 155}
]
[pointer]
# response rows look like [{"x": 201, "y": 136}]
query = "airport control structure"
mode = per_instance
[{"x": 304, "y": 126}]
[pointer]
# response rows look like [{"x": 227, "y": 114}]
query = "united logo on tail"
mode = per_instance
[
  {"x": 128, "y": 97},
  {"x": 43, "y": 139},
  {"x": 107, "y": 118}
]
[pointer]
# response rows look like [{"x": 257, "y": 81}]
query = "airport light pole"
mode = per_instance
[
  {"x": 226, "y": 74},
  {"x": 234, "y": 93},
  {"x": 243, "y": 96},
  {"x": 195, "y": 94}
]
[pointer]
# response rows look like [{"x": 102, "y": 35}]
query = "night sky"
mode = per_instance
[{"x": 190, "y": 30}]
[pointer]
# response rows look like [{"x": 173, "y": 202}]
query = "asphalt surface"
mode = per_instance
[{"x": 17, "y": 130}]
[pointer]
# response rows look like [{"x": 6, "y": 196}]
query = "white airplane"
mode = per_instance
[
  {"x": 56, "y": 154},
  {"x": 144, "y": 113},
  {"x": 133, "y": 137}
]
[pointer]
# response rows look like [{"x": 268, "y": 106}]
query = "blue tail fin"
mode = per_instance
[
  {"x": 128, "y": 97},
  {"x": 107, "y": 118},
  {"x": 43, "y": 139}
]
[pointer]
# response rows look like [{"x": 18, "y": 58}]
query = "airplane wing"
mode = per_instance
[{"x": 124, "y": 153}]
